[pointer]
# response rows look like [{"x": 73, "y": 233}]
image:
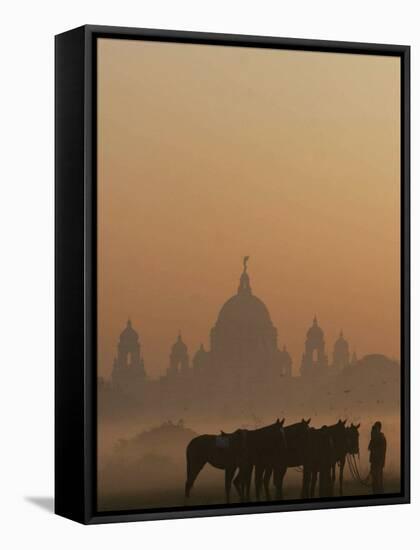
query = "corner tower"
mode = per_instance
[
  {"x": 179, "y": 361},
  {"x": 128, "y": 365},
  {"x": 314, "y": 359},
  {"x": 341, "y": 354}
]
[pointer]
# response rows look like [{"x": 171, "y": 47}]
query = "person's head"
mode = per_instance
[{"x": 377, "y": 427}]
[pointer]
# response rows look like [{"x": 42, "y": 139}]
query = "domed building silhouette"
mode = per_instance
[
  {"x": 314, "y": 359},
  {"x": 341, "y": 353},
  {"x": 243, "y": 341},
  {"x": 128, "y": 370}
]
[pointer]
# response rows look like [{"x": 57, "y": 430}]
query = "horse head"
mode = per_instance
[{"x": 352, "y": 439}]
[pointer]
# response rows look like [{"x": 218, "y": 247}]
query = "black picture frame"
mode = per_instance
[{"x": 75, "y": 271}]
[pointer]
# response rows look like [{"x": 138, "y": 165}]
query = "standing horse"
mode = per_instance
[
  {"x": 266, "y": 449},
  {"x": 289, "y": 454},
  {"x": 296, "y": 436},
  {"x": 226, "y": 452},
  {"x": 324, "y": 447}
]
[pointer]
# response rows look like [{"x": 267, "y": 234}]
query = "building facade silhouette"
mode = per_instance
[{"x": 243, "y": 354}]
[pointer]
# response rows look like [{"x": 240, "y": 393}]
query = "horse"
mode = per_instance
[
  {"x": 266, "y": 448},
  {"x": 291, "y": 455},
  {"x": 325, "y": 445},
  {"x": 296, "y": 436},
  {"x": 225, "y": 451},
  {"x": 347, "y": 445}
]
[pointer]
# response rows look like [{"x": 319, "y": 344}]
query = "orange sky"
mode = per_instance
[{"x": 207, "y": 154}]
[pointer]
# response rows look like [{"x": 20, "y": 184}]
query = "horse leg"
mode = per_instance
[
  {"x": 229, "y": 473},
  {"x": 258, "y": 481},
  {"x": 192, "y": 473},
  {"x": 266, "y": 480},
  {"x": 342, "y": 463},
  {"x": 238, "y": 482},
  {"x": 325, "y": 486},
  {"x": 314, "y": 478},
  {"x": 306, "y": 479},
  {"x": 247, "y": 482},
  {"x": 278, "y": 477},
  {"x": 242, "y": 481}
]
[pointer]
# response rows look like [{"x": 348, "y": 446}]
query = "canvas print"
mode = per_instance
[{"x": 248, "y": 234}]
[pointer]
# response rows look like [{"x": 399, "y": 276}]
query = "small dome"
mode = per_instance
[
  {"x": 341, "y": 343},
  {"x": 315, "y": 332},
  {"x": 179, "y": 347},
  {"x": 129, "y": 334},
  {"x": 200, "y": 353},
  {"x": 376, "y": 360},
  {"x": 200, "y": 357}
]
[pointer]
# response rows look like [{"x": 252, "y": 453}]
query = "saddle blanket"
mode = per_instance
[{"x": 222, "y": 442}]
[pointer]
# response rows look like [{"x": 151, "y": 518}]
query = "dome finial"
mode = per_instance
[
  {"x": 129, "y": 322},
  {"x": 315, "y": 320},
  {"x": 244, "y": 286}
]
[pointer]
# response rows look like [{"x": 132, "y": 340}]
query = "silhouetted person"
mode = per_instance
[{"x": 377, "y": 450}]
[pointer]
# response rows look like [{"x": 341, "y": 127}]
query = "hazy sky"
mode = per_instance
[{"x": 207, "y": 154}]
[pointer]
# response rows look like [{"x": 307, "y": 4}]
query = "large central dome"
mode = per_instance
[
  {"x": 244, "y": 309},
  {"x": 243, "y": 337}
]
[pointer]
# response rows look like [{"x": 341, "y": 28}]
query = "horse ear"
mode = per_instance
[
  {"x": 358, "y": 426},
  {"x": 278, "y": 421},
  {"x": 308, "y": 421},
  {"x": 282, "y": 422}
]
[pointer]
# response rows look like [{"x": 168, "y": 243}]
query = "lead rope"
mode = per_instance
[{"x": 354, "y": 470}]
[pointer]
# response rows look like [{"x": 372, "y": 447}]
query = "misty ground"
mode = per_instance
[
  {"x": 206, "y": 494},
  {"x": 142, "y": 464}
]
